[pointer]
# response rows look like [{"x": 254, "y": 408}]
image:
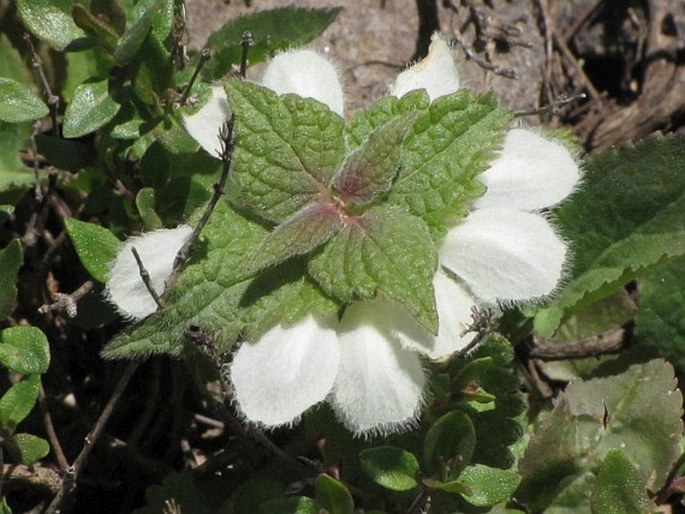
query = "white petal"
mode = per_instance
[
  {"x": 157, "y": 250},
  {"x": 530, "y": 173},
  {"x": 436, "y": 73},
  {"x": 305, "y": 73},
  {"x": 379, "y": 386},
  {"x": 504, "y": 254},
  {"x": 205, "y": 124},
  {"x": 455, "y": 316},
  {"x": 285, "y": 372}
]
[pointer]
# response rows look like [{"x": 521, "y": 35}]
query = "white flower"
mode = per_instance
[
  {"x": 204, "y": 126},
  {"x": 368, "y": 365},
  {"x": 157, "y": 250}
]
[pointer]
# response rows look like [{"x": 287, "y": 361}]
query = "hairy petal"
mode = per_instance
[
  {"x": 454, "y": 312},
  {"x": 205, "y": 124},
  {"x": 305, "y": 73},
  {"x": 436, "y": 73},
  {"x": 379, "y": 386},
  {"x": 157, "y": 250},
  {"x": 503, "y": 254},
  {"x": 286, "y": 371},
  {"x": 531, "y": 173}
]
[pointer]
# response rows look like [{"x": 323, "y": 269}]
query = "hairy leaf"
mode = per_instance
[
  {"x": 391, "y": 467},
  {"x": 18, "y": 401},
  {"x": 12, "y": 171},
  {"x": 622, "y": 223},
  {"x": 449, "y": 445},
  {"x": 18, "y": 103},
  {"x": 27, "y": 449},
  {"x": 488, "y": 486},
  {"x": 619, "y": 489},
  {"x": 51, "y": 21},
  {"x": 288, "y": 149},
  {"x": 385, "y": 249},
  {"x": 333, "y": 496},
  {"x": 91, "y": 107},
  {"x": 24, "y": 350},
  {"x": 96, "y": 246}
]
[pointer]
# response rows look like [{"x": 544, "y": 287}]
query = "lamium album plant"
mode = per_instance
[{"x": 415, "y": 306}]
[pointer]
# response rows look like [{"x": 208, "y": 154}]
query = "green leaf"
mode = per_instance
[
  {"x": 452, "y": 487},
  {"x": 447, "y": 148},
  {"x": 305, "y": 231},
  {"x": 96, "y": 246},
  {"x": 19, "y": 103},
  {"x": 288, "y": 150},
  {"x": 272, "y": 30},
  {"x": 51, "y": 21},
  {"x": 12, "y": 171},
  {"x": 24, "y": 350},
  {"x": 659, "y": 321},
  {"x": 333, "y": 496},
  {"x": 208, "y": 294},
  {"x": 187, "y": 492},
  {"x": 27, "y": 449},
  {"x": 96, "y": 26},
  {"x": 86, "y": 65},
  {"x": 162, "y": 16},
  {"x": 619, "y": 489},
  {"x": 134, "y": 36},
  {"x": 292, "y": 505},
  {"x": 145, "y": 203},
  {"x": 18, "y": 401},
  {"x": 449, "y": 445},
  {"x": 91, "y": 107},
  {"x": 384, "y": 249},
  {"x": 12, "y": 65},
  {"x": 391, "y": 467},
  {"x": 622, "y": 222},
  {"x": 370, "y": 169},
  {"x": 65, "y": 154},
  {"x": 11, "y": 258},
  {"x": 488, "y": 486},
  {"x": 637, "y": 411},
  {"x": 385, "y": 110},
  {"x": 153, "y": 72}
]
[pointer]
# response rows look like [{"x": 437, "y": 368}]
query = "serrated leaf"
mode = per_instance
[
  {"x": 488, "y": 486},
  {"x": 12, "y": 171},
  {"x": 11, "y": 258},
  {"x": 659, "y": 320},
  {"x": 18, "y": 103},
  {"x": 365, "y": 121},
  {"x": 272, "y": 30},
  {"x": 637, "y": 412},
  {"x": 51, "y": 21},
  {"x": 370, "y": 169},
  {"x": 448, "y": 146},
  {"x": 305, "y": 231},
  {"x": 449, "y": 445},
  {"x": 96, "y": 246},
  {"x": 208, "y": 293},
  {"x": 18, "y": 401},
  {"x": 384, "y": 249},
  {"x": 26, "y": 448},
  {"x": 24, "y": 350},
  {"x": 288, "y": 150},
  {"x": 91, "y": 107},
  {"x": 333, "y": 496},
  {"x": 622, "y": 222},
  {"x": 619, "y": 489},
  {"x": 391, "y": 467}
]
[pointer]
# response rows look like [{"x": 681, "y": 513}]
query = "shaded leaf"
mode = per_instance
[
  {"x": 292, "y": 505},
  {"x": 333, "y": 496},
  {"x": 27, "y": 449},
  {"x": 145, "y": 203},
  {"x": 96, "y": 246},
  {"x": 391, "y": 467},
  {"x": 95, "y": 26},
  {"x": 65, "y": 154},
  {"x": 12, "y": 171},
  {"x": 622, "y": 222},
  {"x": 11, "y": 258},
  {"x": 18, "y": 401},
  {"x": 449, "y": 445},
  {"x": 384, "y": 249},
  {"x": 24, "y": 350}
]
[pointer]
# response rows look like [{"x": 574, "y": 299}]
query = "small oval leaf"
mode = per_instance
[
  {"x": 449, "y": 445},
  {"x": 91, "y": 107},
  {"x": 96, "y": 246},
  {"x": 27, "y": 449},
  {"x": 333, "y": 496},
  {"x": 488, "y": 486},
  {"x": 18, "y": 103},
  {"x": 18, "y": 401},
  {"x": 24, "y": 350},
  {"x": 390, "y": 467}
]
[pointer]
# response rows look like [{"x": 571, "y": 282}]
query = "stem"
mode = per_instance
[
  {"x": 50, "y": 431},
  {"x": 205, "y": 56},
  {"x": 245, "y": 43},
  {"x": 69, "y": 482},
  {"x": 145, "y": 276}
]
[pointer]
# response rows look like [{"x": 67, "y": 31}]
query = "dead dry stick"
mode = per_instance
[
  {"x": 69, "y": 481},
  {"x": 145, "y": 276},
  {"x": 55, "y": 445},
  {"x": 606, "y": 342},
  {"x": 67, "y": 302}
]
